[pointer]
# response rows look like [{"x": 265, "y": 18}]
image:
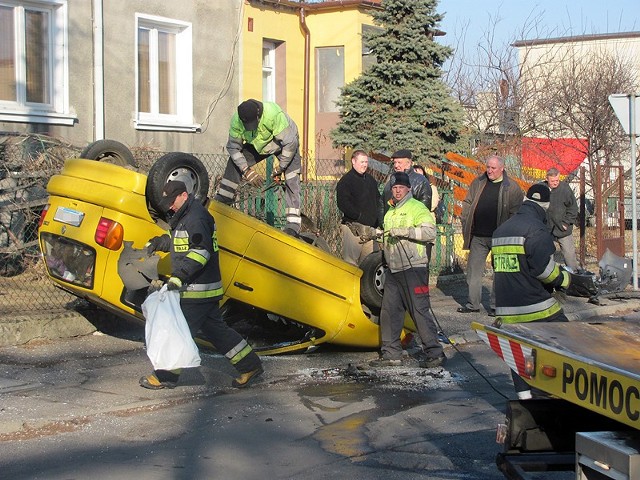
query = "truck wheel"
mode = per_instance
[
  {"x": 373, "y": 269},
  {"x": 109, "y": 151},
  {"x": 177, "y": 166}
]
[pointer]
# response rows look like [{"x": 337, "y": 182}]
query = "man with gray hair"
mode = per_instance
[
  {"x": 562, "y": 216},
  {"x": 492, "y": 198}
]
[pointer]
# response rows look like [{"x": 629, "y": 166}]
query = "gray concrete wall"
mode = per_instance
[{"x": 215, "y": 74}]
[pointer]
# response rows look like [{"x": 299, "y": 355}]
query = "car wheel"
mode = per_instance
[
  {"x": 109, "y": 151},
  {"x": 177, "y": 166},
  {"x": 373, "y": 269}
]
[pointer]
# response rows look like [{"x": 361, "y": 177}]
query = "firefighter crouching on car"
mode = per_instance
[
  {"x": 409, "y": 226},
  {"x": 525, "y": 272},
  {"x": 258, "y": 130},
  {"x": 195, "y": 272}
]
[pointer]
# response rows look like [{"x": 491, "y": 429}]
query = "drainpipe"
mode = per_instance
[
  {"x": 305, "y": 101},
  {"x": 98, "y": 71}
]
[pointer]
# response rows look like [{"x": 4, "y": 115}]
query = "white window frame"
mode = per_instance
[
  {"x": 182, "y": 120},
  {"x": 269, "y": 93},
  {"x": 57, "y": 111}
]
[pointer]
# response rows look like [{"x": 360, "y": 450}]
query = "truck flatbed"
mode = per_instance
[{"x": 592, "y": 364}]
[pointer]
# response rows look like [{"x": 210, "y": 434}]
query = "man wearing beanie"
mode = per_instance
[
  {"x": 195, "y": 272},
  {"x": 258, "y": 130},
  {"x": 409, "y": 227},
  {"x": 524, "y": 269},
  {"x": 492, "y": 198}
]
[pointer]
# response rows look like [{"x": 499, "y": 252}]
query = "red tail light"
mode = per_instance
[
  {"x": 109, "y": 234},
  {"x": 43, "y": 214}
]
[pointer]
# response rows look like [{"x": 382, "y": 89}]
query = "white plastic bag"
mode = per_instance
[{"x": 169, "y": 342}]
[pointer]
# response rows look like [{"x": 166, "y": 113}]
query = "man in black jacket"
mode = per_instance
[
  {"x": 358, "y": 197},
  {"x": 195, "y": 272},
  {"x": 420, "y": 185},
  {"x": 562, "y": 216}
]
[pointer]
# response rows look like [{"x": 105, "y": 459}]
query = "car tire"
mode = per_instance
[
  {"x": 109, "y": 151},
  {"x": 177, "y": 166},
  {"x": 373, "y": 269}
]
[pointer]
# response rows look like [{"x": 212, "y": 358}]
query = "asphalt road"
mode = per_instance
[{"x": 72, "y": 409}]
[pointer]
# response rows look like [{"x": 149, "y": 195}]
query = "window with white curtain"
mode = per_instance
[
  {"x": 164, "y": 74},
  {"x": 33, "y": 61},
  {"x": 268, "y": 71}
]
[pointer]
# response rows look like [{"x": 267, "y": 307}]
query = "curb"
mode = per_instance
[{"x": 22, "y": 329}]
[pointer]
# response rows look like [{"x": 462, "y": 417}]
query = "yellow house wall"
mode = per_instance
[{"x": 327, "y": 28}]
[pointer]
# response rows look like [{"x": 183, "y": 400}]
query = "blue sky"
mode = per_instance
[{"x": 467, "y": 22}]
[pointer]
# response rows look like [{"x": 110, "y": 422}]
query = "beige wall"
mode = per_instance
[{"x": 336, "y": 27}]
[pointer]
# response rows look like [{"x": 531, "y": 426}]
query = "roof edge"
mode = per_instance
[{"x": 576, "y": 38}]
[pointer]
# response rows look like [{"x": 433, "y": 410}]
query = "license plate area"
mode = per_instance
[
  {"x": 67, "y": 260},
  {"x": 69, "y": 216}
]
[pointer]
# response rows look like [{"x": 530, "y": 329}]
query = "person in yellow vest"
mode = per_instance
[
  {"x": 409, "y": 227},
  {"x": 258, "y": 130}
]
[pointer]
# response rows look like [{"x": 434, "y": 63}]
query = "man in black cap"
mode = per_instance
[
  {"x": 258, "y": 130},
  {"x": 525, "y": 272},
  {"x": 409, "y": 227},
  {"x": 195, "y": 273},
  {"x": 420, "y": 185}
]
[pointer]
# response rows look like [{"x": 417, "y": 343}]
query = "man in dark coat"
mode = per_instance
[
  {"x": 358, "y": 197},
  {"x": 195, "y": 273},
  {"x": 492, "y": 198},
  {"x": 562, "y": 216}
]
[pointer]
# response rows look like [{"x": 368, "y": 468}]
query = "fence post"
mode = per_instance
[{"x": 270, "y": 200}]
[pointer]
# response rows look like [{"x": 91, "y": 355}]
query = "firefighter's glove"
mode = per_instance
[
  {"x": 154, "y": 244},
  {"x": 155, "y": 285},
  {"x": 277, "y": 174},
  {"x": 174, "y": 283},
  {"x": 252, "y": 177},
  {"x": 399, "y": 232}
]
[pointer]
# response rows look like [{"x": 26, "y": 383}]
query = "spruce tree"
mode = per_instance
[{"x": 401, "y": 101}]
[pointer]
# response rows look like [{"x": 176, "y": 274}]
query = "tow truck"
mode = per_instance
[{"x": 585, "y": 414}]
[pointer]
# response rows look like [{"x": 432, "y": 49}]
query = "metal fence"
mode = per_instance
[{"x": 27, "y": 164}]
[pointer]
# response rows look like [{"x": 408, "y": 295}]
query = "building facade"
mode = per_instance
[
  {"x": 162, "y": 74},
  {"x": 169, "y": 75}
]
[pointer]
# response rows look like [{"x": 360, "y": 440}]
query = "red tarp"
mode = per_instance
[{"x": 566, "y": 154}]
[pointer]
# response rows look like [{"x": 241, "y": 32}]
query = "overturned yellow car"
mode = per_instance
[{"x": 299, "y": 294}]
